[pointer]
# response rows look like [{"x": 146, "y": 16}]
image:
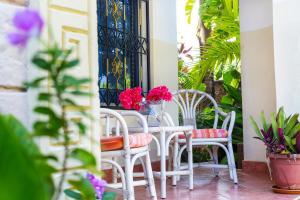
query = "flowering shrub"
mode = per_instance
[
  {"x": 131, "y": 98},
  {"x": 159, "y": 93}
]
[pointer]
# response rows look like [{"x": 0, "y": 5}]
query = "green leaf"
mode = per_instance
[
  {"x": 189, "y": 9},
  {"x": 72, "y": 194},
  {"x": 44, "y": 96},
  {"x": 69, "y": 64},
  {"x": 264, "y": 121},
  {"x": 85, "y": 157},
  {"x": 35, "y": 83},
  {"x": 291, "y": 124},
  {"x": 281, "y": 117},
  {"x": 24, "y": 173},
  {"x": 81, "y": 127},
  {"x": 44, "y": 128},
  {"x": 44, "y": 111},
  {"x": 41, "y": 63},
  {"x": 235, "y": 93},
  {"x": 84, "y": 187},
  {"x": 274, "y": 125},
  {"x": 256, "y": 129},
  {"x": 68, "y": 101},
  {"x": 109, "y": 196},
  {"x": 294, "y": 131},
  {"x": 70, "y": 81},
  {"x": 80, "y": 93},
  {"x": 227, "y": 100},
  {"x": 289, "y": 143}
]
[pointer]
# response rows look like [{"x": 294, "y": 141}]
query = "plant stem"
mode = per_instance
[{"x": 65, "y": 142}]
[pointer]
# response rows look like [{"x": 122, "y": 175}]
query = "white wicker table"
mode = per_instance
[{"x": 166, "y": 133}]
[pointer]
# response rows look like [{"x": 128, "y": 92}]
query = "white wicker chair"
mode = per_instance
[
  {"x": 114, "y": 120},
  {"x": 188, "y": 101}
]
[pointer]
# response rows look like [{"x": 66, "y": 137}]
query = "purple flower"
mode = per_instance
[
  {"x": 98, "y": 185},
  {"x": 28, "y": 24}
]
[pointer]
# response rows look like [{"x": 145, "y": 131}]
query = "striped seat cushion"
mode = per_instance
[
  {"x": 116, "y": 142},
  {"x": 207, "y": 133}
]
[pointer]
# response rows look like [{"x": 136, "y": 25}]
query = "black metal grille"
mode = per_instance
[{"x": 123, "y": 42}]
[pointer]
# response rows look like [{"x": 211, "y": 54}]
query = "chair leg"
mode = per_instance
[
  {"x": 175, "y": 163},
  {"x": 190, "y": 162},
  {"x": 114, "y": 172},
  {"x": 215, "y": 159},
  {"x": 178, "y": 158},
  {"x": 233, "y": 167},
  {"x": 150, "y": 179},
  {"x": 129, "y": 179}
]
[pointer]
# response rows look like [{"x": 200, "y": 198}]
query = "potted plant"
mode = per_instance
[{"x": 282, "y": 139}]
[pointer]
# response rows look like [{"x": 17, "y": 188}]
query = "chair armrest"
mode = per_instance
[
  {"x": 228, "y": 123},
  {"x": 166, "y": 117},
  {"x": 138, "y": 116}
]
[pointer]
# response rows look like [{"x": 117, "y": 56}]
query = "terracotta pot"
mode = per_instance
[{"x": 285, "y": 170}]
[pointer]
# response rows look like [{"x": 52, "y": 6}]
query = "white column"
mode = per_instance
[
  {"x": 286, "y": 28},
  {"x": 258, "y": 79}
]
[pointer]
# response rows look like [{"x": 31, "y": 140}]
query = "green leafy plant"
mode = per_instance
[
  {"x": 52, "y": 107},
  {"x": 232, "y": 101},
  {"x": 25, "y": 172},
  {"x": 220, "y": 22},
  {"x": 281, "y": 135}
]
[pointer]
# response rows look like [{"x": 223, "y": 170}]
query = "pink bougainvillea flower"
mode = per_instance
[
  {"x": 28, "y": 24},
  {"x": 125, "y": 99},
  {"x": 131, "y": 98},
  {"x": 98, "y": 185},
  {"x": 136, "y": 97},
  {"x": 158, "y": 94}
]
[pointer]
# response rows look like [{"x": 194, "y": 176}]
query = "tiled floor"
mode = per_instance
[{"x": 207, "y": 187}]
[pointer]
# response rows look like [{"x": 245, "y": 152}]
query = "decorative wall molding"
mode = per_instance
[
  {"x": 16, "y": 2},
  {"x": 8, "y": 88}
]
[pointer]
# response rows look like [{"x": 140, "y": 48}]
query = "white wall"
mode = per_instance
[
  {"x": 286, "y": 30},
  {"x": 163, "y": 43},
  {"x": 13, "y": 69},
  {"x": 258, "y": 79}
]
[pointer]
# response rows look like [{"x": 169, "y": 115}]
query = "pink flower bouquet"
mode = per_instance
[
  {"x": 157, "y": 94},
  {"x": 132, "y": 98}
]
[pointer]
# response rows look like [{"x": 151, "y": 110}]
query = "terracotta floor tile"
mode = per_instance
[{"x": 207, "y": 187}]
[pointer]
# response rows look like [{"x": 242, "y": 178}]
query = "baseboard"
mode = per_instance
[{"x": 255, "y": 167}]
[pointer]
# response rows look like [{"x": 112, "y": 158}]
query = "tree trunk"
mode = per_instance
[
  {"x": 202, "y": 35},
  {"x": 202, "y": 32}
]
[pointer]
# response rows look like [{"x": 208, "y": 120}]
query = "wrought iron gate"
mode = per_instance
[{"x": 123, "y": 42}]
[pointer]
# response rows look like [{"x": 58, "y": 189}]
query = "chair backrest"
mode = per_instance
[
  {"x": 114, "y": 124},
  {"x": 192, "y": 101}
]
